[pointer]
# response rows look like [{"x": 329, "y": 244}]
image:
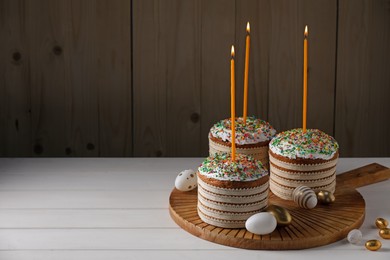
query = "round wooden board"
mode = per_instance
[{"x": 310, "y": 228}]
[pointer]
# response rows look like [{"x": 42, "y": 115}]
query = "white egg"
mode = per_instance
[
  {"x": 186, "y": 180},
  {"x": 354, "y": 236},
  {"x": 261, "y": 223}
]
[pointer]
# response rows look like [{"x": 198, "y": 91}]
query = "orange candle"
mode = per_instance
[
  {"x": 246, "y": 72},
  {"x": 233, "y": 105},
  {"x": 305, "y": 79}
]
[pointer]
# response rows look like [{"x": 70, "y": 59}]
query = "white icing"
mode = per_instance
[
  {"x": 313, "y": 144},
  {"x": 221, "y": 167},
  {"x": 253, "y": 132}
]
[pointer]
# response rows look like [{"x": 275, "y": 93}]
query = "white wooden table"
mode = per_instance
[{"x": 118, "y": 209}]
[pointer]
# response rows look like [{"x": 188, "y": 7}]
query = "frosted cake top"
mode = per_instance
[
  {"x": 221, "y": 167},
  {"x": 294, "y": 143},
  {"x": 254, "y": 131}
]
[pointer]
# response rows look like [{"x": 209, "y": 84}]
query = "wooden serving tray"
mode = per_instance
[{"x": 322, "y": 225}]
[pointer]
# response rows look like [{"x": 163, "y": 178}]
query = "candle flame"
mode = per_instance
[
  {"x": 248, "y": 28},
  {"x": 306, "y": 31},
  {"x": 232, "y": 52}
]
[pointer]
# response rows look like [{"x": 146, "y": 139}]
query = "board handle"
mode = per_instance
[{"x": 363, "y": 176}]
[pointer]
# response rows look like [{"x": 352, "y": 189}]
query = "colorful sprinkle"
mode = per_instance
[
  {"x": 254, "y": 131},
  {"x": 314, "y": 144},
  {"x": 221, "y": 167}
]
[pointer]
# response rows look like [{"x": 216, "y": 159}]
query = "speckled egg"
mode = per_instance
[
  {"x": 261, "y": 223},
  {"x": 354, "y": 236},
  {"x": 283, "y": 217},
  {"x": 186, "y": 180},
  {"x": 305, "y": 197},
  {"x": 373, "y": 245},
  {"x": 325, "y": 197}
]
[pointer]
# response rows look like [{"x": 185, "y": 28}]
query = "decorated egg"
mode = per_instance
[
  {"x": 385, "y": 233},
  {"x": 381, "y": 223},
  {"x": 282, "y": 216},
  {"x": 261, "y": 223},
  {"x": 305, "y": 197},
  {"x": 186, "y": 180},
  {"x": 354, "y": 236},
  {"x": 325, "y": 197},
  {"x": 373, "y": 245}
]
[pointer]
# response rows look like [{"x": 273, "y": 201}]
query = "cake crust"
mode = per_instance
[
  {"x": 243, "y": 146},
  {"x": 316, "y": 172},
  {"x": 234, "y": 184},
  {"x": 230, "y": 191},
  {"x": 300, "y": 160}
]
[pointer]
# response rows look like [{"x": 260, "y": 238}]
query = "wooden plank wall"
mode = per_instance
[
  {"x": 150, "y": 77},
  {"x": 363, "y": 78},
  {"x": 66, "y": 78}
]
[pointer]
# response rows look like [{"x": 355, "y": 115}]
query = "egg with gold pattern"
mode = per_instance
[{"x": 305, "y": 197}]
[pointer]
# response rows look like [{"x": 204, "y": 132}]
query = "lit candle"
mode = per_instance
[
  {"x": 233, "y": 105},
  {"x": 248, "y": 42},
  {"x": 305, "y": 79}
]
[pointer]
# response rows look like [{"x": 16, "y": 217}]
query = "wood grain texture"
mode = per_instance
[
  {"x": 85, "y": 218},
  {"x": 63, "y": 97},
  {"x": 79, "y": 199},
  {"x": 15, "y": 105},
  {"x": 218, "y": 35},
  {"x": 363, "y": 79},
  {"x": 96, "y": 239},
  {"x": 309, "y": 228},
  {"x": 67, "y": 67},
  {"x": 362, "y": 176},
  {"x": 223, "y": 253},
  {"x": 166, "y": 78},
  {"x": 258, "y": 13},
  {"x": 81, "y": 92},
  {"x": 114, "y": 77},
  {"x": 84, "y": 229},
  {"x": 319, "y": 226},
  {"x": 285, "y": 68},
  {"x": 76, "y": 58}
]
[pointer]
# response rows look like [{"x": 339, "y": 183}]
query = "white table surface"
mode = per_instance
[{"x": 117, "y": 208}]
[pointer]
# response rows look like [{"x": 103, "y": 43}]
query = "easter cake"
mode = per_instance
[
  {"x": 252, "y": 138},
  {"x": 302, "y": 158},
  {"x": 229, "y": 192}
]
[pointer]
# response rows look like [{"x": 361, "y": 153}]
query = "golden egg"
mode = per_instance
[
  {"x": 373, "y": 245},
  {"x": 385, "y": 233},
  {"x": 325, "y": 197},
  {"x": 283, "y": 217},
  {"x": 381, "y": 223}
]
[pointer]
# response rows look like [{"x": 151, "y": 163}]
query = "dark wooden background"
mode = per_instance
[{"x": 150, "y": 77}]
